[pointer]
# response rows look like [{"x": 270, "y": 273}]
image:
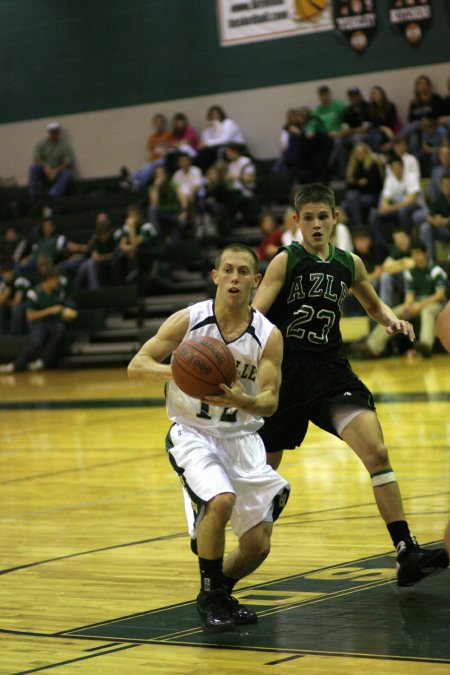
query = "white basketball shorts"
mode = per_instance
[{"x": 208, "y": 466}]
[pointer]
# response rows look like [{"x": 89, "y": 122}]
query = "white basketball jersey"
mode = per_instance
[{"x": 247, "y": 350}]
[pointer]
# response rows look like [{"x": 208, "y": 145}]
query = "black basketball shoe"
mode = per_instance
[
  {"x": 215, "y": 611},
  {"x": 241, "y": 614},
  {"x": 415, "y": 563}
]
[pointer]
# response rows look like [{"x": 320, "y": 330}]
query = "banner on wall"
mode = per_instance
[
  {"x": 255, "y": 20},
  {"x": 411, "y": 17},
  {"x": 356, "y": 21}
]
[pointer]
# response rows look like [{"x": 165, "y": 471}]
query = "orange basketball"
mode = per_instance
[
  {"x": 443, "y": 326},
  {"x": 200, "y": 364}
]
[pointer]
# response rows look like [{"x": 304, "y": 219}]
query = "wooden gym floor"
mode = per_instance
[{"x": 96, "y": 571}]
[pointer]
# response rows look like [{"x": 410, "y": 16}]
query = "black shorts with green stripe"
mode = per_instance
[{"x": 308, "y": 390}]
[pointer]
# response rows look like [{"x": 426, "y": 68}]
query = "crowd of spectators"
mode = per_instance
[{"x": 394, "y": 197}]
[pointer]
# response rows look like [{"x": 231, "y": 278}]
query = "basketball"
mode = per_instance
[
  {"x": 201, "y": 364},
  {"x": 443, "y": 326}
]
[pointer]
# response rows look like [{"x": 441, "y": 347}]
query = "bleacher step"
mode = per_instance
[{"x": 110, "y": 348}]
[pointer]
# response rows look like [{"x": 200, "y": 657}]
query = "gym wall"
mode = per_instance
[{"x": 104, "y": 68}]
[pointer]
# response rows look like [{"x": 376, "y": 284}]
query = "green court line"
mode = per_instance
[
  {"x": 88, "y": 404},
  {"x": 77, "y": 404},
  {"x": 354, "y": 609}
]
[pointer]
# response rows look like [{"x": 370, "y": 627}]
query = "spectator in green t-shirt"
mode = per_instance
[
  {"x": 53, "y": 245},
  {"x": 165, "y": 209},
  {"x": 330, "y": 111},
  {"x": 426, "y": 286},
  {"x": 98, "y": 268},
  {"x": 48, "y": 309}
]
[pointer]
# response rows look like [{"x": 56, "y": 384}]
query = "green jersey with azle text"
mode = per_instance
[{"x": 309, "y": 306}]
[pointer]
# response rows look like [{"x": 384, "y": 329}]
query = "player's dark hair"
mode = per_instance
[
  {"x": 239, "y": 248},
  {"x": 394, "y": 158},
  {"x": 314, "y": 193},
  {"x": 419, "y": 245}
]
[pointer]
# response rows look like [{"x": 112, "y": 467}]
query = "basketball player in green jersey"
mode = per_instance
[{"x": 302, "y": 292}]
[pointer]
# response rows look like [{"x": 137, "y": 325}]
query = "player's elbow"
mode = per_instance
[
  {"x": 132, "y": 370},
  {"x": 272, "y": 406}
]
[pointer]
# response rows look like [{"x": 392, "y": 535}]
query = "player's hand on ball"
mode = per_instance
[{"x": 232, "y": 397}]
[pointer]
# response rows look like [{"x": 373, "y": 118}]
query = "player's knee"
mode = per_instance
[
  {"x": 258, "y": 551},
  {"x": 221, "y": 506},
  {"x": 378, "y": 457}
]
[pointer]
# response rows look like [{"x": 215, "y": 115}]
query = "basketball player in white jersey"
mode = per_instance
[{"x": 213, "y": 444}]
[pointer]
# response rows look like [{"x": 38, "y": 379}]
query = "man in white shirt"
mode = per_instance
[
  {"x": 400, "y": 197},
  {"x": 188, "y": 180},
  {"x": 241, "y": 172},
  {"x": 410, "y": 162},
  {"x": 217, "y": 132}
]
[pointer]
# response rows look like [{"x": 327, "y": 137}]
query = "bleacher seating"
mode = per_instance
[{"x": 114, "y": 321}]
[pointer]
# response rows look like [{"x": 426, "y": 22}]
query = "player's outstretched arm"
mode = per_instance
[
  {"x": 271, "y": 284},
  {"x": 269, "y": 375},
  {"x": 374, "y": 306},
  {"x": 148, "y": 362}
]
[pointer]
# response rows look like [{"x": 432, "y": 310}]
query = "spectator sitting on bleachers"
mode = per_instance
[
  {"x": 217, "y": 132},
  {"x": 271, "y": 241},
  {"x": 184, "y": 139},
  {"x": 373, "y": 256},
  {"x": 99, "y": 267},
  {"x": 341, "y": 237},
  {"x": 188, "y": 180},
  {"x": 444, "y": 119},
  {"x": 291, "y": 231},
  {"x": 52, "y": 168},
  {"x": 216, "y": 202},
  {"x": 355, "y": 123},
  {"x": 139, "y": 245},
  {"x": 288, "y": 144},
  {"x": 437, "y": 224},
  {"x": 410, "y": 162},
  {"x": 400, "y": 197},
  {"x": 22, "y": 284},
  {"x": 432, "y": 137},
  {"x": 442, "y": 167},
  {"x": 165, "y": 211},
  {"x": 384, "y": 120},
  {"x": 48, "y": 309},
  {"x": 6, "y": 296},
  {"x": 158, "y": 144},
  {"x": 426, "y": 103},
  {"x": 364, "y": 184},
  {"x": 330, "y": 111},
  {"x": 397, "y": 261},
  {"x": 241, "y": 178},
  {"x": 13, "y": 247},
  {"x": 67, "y": 255},
  {"x": 314, "y": 148},
  {"x": 425, "y": 297}
]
